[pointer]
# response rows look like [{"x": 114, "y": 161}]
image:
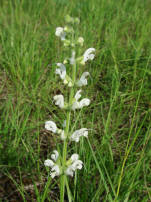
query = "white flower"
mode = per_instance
[
  {"x": 75, "y": 164},
  {"x": 55, "y": 170},
  {"x": 60, "y": 33},
  {"x": 69, "y": 171},
  {"x": 83, "y": 80},
  {"x": 55, "y": 155},
  {"x": 84, "y": 102},
  {"x": 49, "y": 163},
  {"x": 78, "y": 133},
  {"x": 88, "y": 55},
  {"x": 59, "y": 100},
  {"x": 74, "y": 157},
  {"x": 61, "y": 71},
  {"x": 72, "y": 59},
  {"x": 78, "y": 105},
  {"x": 51, "y": 126},
  {"x": 78, "y": 95}
]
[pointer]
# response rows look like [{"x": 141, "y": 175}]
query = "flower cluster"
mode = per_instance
[
  {"x": 75, "y": 136},
  {"x": 58, "y": 163},
  {"x": 55, "y": 170}
]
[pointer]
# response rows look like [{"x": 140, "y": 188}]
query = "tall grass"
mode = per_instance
[{"x": 117, "y": 154}]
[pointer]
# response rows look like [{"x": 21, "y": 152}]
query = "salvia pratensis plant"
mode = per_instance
[{"x": 61, "y": 165}]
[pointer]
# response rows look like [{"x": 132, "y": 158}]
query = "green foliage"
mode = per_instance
[{"x": 117, "y": 155}]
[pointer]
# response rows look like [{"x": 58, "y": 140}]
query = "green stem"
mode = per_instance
[{"x": 65, "y": 145}]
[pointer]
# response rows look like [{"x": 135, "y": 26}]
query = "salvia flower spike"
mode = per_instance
[{"x": 58, "y": 164}]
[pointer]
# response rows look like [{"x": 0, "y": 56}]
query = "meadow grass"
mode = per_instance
[{"x": 117, "y": 165}]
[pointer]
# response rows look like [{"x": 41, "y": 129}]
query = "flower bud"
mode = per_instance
[
  {"x": 77, "y": 20},
  {"x": 67, "y": 43},
  {"x": 69, "y": 19},
  {"x": 68, "y": 29},
  {"x": 80, "y": 41}
]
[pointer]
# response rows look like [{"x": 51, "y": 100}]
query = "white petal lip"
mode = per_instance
[
  {"x": 55, "y": 155},
  {"x": 83, "y": 80},
  {"x": 56, "y": 169},
  {"x": 84, "y": 102},
  {"x": 51, "y": 126},
  {"x": 78, "y": 105},
  {"x": 59, "y": 100},
  {"x": 69, "y": 171},
  {"x": 60, "y": 33},
  {"x": 49, "y": 163},
  {"x": 78, "y": 133},
  {"x": 74, "y": 157},
  {"x": 56, "y": 172},
  {"x": 78, "y": 95},
  {"x": 77, "y": 164},
  {"x": 61, "y": 71},
  {"x": 88, "y": 55}
]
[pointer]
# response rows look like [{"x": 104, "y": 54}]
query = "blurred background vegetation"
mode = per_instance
[{"x": 117, "y": 154}]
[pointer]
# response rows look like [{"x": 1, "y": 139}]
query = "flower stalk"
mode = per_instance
[
  {"x": 59, "y": 164},
  {"x": 68, "y": 118}
]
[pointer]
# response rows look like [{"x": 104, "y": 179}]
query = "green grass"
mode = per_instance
[{"x": 117, "y": 165}]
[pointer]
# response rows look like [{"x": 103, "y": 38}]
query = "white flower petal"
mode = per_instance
[
  {"x": 74, "y": 157},
  {"x": 84, "y": 102},
  {"x": 56, "y": 169},
  {"x": 88, "y": 55},
  {"x": 51, "y": 126},
  {"x": 69, "y": 171},
  {"x": 77, "y": 165},
  {"x": 56, "y": 172},
  {"x": 60, "y": 33},
  {"x": 59, "y": 100},
  {"x": 61, "y": 71},
  {"x": 52, "y": 174},
  {"x": 49, "y": 163},
  {"x": 78, "y": 133},
  {"x": 55, "y": 155},
  {"x": 78, "y": 105},
  {"x": 78, "y": 95},
  {"x": 83, "y": 80}
]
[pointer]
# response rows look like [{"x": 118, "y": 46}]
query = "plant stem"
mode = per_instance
[{"x": 65, "y": 145}]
